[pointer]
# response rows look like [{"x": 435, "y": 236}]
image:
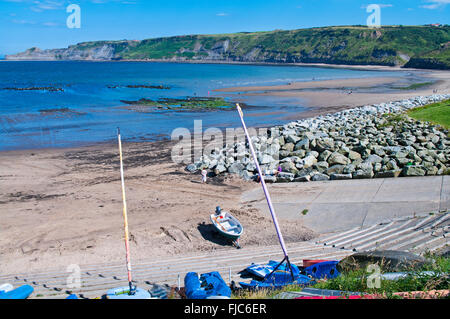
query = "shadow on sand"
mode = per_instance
[{"x": 209, "y": 232}]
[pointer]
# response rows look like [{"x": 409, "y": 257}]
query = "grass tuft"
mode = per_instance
[{"x": 436, "y": 113}]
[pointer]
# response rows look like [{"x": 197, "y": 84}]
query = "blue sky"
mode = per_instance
[{"x": 28, "y": 23}]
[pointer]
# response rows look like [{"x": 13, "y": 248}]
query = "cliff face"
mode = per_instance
[
  {"x": 32, "y": 54},
  {"x": 90, "y": 51},
  {"x": 437, "y": 59},
  {"x": 334, "y": 45}
]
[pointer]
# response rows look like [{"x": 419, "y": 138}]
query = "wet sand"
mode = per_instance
[
  {"x": 64, "y": 206},
  {"x": 330, "y": 96}
]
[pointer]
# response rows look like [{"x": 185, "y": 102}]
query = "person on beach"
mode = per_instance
[{"x": 204, "y": 174}]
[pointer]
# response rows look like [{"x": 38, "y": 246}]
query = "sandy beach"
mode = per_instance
[
  {"x": 330, "y": 96},
  {"x": 64, "y": 206}
]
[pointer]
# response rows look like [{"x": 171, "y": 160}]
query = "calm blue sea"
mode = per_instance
[{"x": 95, "y": 111}]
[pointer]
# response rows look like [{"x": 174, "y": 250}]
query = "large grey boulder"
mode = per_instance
[
  {"x": 321, "y": 166},
  {"x": 392, "y": 165},
  {"x": 220, "y": 168},
  {"x": 284, "y": 177},
  {"x": 309, "y": 161},
  {"x": 265, "y": 159},
  {"x": 335, "y": 169},
  {"x": 324, "y": 144},
  {"x": 373, "y": 159},
  {"x": 340, "y": 176},
  {"x": 192, "y": 168},
  {"x": 298, "y": 153},
  {"x": 431, "y": 171},
  {"x": 359, "y": 174},
  {"x": 400, "y": 154},
  {"x": 283, "y": 154},
  {"x": 273, "y": 150},
  {"x": 236, "y": 168},
  {"x": 288, "y": 147},
  {"x": 246, "y": 175},
  {"x": 303, "y": 144},
  {"x": 338, "y": 158},
  {"x": 251, "y": 167},
  {"x": 305, "y": 172},
  {"x": 302, "y": 179},
  {"x": 289, "y": 166},
  {"x": 320, "y": 177},
  {"x": 412, "y": 170},
  {"x": 352, "y": 155},
  {"x": 324, "y": 155},
  {"x": 270, "y": 179},
  {"x": 292, "y": 138}
]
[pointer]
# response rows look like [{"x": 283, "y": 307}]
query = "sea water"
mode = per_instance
[{"x": 91, "y": 108}]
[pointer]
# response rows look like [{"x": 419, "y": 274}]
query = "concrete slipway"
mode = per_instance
[{"x": 354, "y": 215}]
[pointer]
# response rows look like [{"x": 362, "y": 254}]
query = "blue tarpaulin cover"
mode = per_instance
[
  {"x": 263, "y": 270},
  {"x": 208, "y": 285},
  {"x": 324, "y": 269},
  {"x": 281, "y": 277},
  {"x": 19, "y": 293}
]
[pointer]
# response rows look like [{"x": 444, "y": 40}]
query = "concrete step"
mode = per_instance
[
  {"x": 170, "y": 278},
  {"x": 417, "y": 234},
  {"x": 392, "y": 234},
  {"x": 184, "y": 262}
]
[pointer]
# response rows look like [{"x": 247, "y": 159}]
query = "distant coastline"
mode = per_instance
[
  {"x": 361, "y": 67},
  {"x": 343, "y": 45}
]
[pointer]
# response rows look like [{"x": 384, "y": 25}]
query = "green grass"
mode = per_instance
[
  {"x": 196, "y": 103},
  {"x": 436, "y": 59},
  {"x": 263, "y": 293},
  {"x": 387, "y": 45},
  {"x": 356, "y": 281},
  {"x": 343, "y": 45},
  {"x": 437, "y": 113},
  {"x": 392, "y": 120},
  {"x": 414, "y": 86}
]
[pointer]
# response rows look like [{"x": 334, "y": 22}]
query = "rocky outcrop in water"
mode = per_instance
[
  {"x": 41, "y": 88},
  {"x": 373, "y": 141}
]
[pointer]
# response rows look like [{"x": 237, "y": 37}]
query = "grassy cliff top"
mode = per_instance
[{"x": 387, "y": 45}]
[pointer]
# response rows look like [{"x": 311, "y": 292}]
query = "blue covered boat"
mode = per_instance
[
  {"x": 124, "y": 293},
  {"x": 323, "y": 270},
  {"x": 262, "y": 271},
  {"x": 279, "y": 278},
  {"x": 208, "y": 286},
  {"x": 23, "y": 292}
]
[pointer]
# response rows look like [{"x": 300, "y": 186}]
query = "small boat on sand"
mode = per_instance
[{"x": 227, "y": 225}]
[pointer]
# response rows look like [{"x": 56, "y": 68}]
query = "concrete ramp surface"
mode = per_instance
[{"x": 340, "y": 205}]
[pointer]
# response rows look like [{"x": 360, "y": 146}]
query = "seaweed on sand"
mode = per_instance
[{"x": 189, "y": 103}]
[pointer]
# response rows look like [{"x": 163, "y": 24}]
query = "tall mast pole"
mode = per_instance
[
  {"x": 263, "y": 184},
  {"x": 125, "y": 218}
]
